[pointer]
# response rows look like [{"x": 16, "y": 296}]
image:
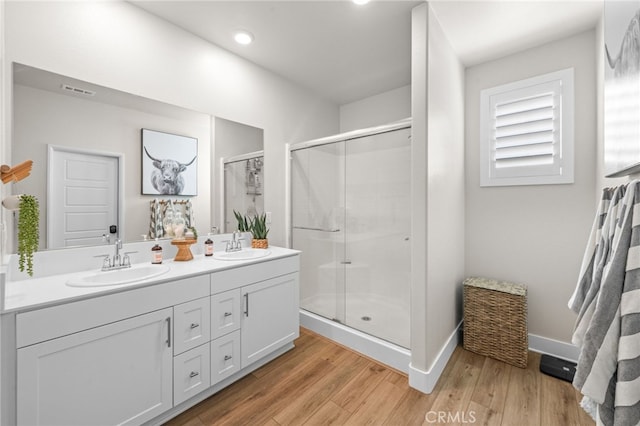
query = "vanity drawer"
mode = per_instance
[
  {"x": 225, "y": 356},
  {"x": 192, "y": 324},
  {"x": 225, "y": 312},
  {"x": 191, "y": 373},
  {"x": 248, "y": 274}
]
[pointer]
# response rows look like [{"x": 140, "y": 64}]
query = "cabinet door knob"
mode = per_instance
[
  {"x": 227, "y": 314},
  {"x": 193, "y": 374},
  {"x": 194, "y": 325},
  {"x": 227, "y": 357}
]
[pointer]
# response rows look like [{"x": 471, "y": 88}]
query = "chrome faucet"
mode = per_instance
[
  {"x": 236, "y": 243},
  {"x": 116, "y": 257},
  {"x": 117, "y": 261}
]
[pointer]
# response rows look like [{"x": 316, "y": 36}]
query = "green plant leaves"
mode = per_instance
[
  {"x": 243, "y": 223},
  {"x": 257, "y": 225},
  {"x": 28, "y": 232}
]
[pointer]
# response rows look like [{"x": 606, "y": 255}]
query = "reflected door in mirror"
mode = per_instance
[{"x": 82, "y": 197}]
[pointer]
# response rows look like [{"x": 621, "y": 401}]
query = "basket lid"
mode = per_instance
[{"x": 491, "y": 284}]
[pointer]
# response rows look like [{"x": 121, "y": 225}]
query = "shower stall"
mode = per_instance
[
  {"x": 243, "y": 186},
  {"x": 350, "y": 216}
]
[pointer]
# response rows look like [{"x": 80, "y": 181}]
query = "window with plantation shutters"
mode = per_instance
[{"x": 527, "y": 131}]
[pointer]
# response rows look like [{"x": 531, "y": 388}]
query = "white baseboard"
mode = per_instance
[
  {"x": 552, "y": 347},
  {"x": 425, "y": 381}
]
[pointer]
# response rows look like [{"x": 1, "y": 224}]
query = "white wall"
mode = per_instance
[
  {"x": 419, "y": 368},
  {"x": 438, "y": 227},
  {"x": 535, "y": 235},
  {"x": 117, "y": 45},
  {"x": 377, "y": 110},
  {"x": 445, "y": 195}
]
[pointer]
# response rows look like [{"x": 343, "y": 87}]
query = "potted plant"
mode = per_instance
[
  {"x": 243, "y": 222},
  {"x": 28, "y": 231},
  {"x": 258, "y": 227}
]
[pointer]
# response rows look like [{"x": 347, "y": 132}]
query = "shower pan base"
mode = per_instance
[
  {"x": 380, "y": 350},
  {"x": 372, "y": 314}
]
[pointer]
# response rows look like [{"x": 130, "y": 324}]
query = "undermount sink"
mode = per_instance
[
  {"x": 244, "y": 254},
  {"x": 120, "y": 276}
]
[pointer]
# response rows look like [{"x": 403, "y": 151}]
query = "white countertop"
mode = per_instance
[{"x": 39, "y": 292}]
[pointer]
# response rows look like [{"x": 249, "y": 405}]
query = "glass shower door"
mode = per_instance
[
  {"x": 317, "y": 198},
  {"x": 377, "y": 258},
  {"x": 351, "y": 217}
]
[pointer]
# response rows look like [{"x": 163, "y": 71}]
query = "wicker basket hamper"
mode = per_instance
[{"x": 495, "y": 320}]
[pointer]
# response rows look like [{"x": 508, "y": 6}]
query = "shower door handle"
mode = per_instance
[{"x": 307, "y": 228}]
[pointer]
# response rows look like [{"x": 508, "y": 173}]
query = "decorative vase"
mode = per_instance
[
  {"x": 167, "y": 224},
  {"x": 260, "y": 244},
  {"x": 179, "y": 225}
]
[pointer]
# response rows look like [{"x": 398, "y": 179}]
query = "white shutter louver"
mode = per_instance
[{"x": 523, "y": 132}]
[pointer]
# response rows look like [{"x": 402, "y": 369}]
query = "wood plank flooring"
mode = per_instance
[{"x": 322, "y": 383}]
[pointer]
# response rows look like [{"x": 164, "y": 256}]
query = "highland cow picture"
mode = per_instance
[
  {"x": 621, "y": 87},
  {"x": 169, "y": 164}
]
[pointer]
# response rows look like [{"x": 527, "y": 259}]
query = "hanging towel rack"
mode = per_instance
[
  {"x": 173, "y": 201},
  {"x": 15, "y": 173}
]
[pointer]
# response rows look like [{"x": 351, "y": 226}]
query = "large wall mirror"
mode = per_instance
[
  {"x": 93, "y": 134},
  {"x": 240, "y": 158}
]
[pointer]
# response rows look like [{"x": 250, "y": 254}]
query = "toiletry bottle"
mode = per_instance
[
  {"x": 208, "y": 246},
  {"x": 156, "y": 254}
]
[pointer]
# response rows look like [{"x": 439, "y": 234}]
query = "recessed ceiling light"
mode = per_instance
[
  {"x": 243, "y": 37},
  {"x": 361, "y": 2}
]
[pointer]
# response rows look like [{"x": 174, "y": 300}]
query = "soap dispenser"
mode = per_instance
[
  {"x": 156, "y": 253},
  {"x": 208, "y": 246}
]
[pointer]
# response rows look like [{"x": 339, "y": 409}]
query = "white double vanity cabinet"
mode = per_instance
[{"x": 143, "y": 353}]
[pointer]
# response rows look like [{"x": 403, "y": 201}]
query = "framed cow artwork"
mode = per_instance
[
  {"x": 169, "y": 164},
  {"x": 621, "y": 87}
]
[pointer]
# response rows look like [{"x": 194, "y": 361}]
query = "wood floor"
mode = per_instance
[{"x": 322, "y": 383}]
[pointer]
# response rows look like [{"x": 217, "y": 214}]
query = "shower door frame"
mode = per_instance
[
  {"x": 355, "y": 134},
  {"x": 339, "y": 138},
  {"x": 223, "y": 183}
]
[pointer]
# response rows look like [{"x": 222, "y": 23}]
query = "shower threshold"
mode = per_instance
[{"x": 378, "y": 349}]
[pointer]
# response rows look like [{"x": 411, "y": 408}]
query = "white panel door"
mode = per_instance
[
  {"x": 120, "y": 373},
  {"x": 82, "y": 197}
]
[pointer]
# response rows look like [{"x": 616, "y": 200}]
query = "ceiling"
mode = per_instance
[{"x": 345, "y": 52}]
